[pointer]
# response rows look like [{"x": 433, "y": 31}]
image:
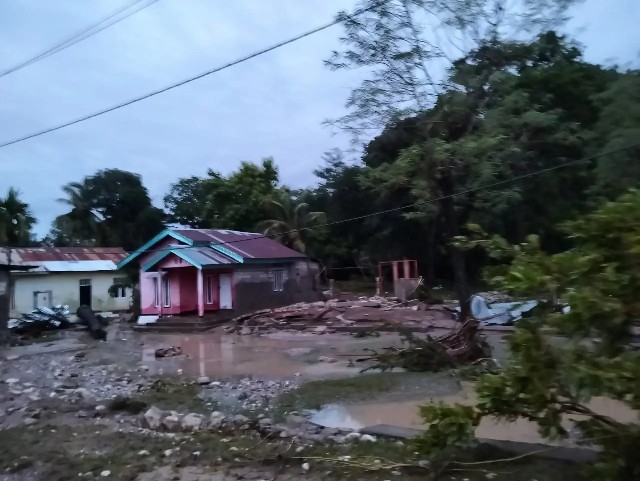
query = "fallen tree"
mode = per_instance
[{"x": 461, "y": 346}]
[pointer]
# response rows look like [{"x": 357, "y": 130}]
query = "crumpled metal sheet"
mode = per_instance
[
  {"x": 42, "y": 319},
  {"x": 499, "y": 313}
]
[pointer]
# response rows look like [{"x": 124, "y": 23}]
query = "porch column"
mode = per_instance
[
  {"x": 200, "y": 293},
  {"x": 407, "y": 270}
]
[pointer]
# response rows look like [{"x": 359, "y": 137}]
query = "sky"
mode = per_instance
[{"x": 271, "y": 106}]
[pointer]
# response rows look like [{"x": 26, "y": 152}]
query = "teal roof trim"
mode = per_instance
[
  {"x": 162, "y": 255},
  {"x": 228, "y": 253},
  {"x": 151, "y": 243}
]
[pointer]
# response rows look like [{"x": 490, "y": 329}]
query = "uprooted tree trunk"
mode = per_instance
[{"x": 464, "y": 345}]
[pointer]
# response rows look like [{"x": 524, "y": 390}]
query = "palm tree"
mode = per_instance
[
  {"x": 289, "y": 220},
  {"x": 16, "y": 220},
  {"x": 81, "y": 224}
]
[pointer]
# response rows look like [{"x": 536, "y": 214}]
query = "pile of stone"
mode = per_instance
[
  {"x": 338, "y": 315},
  {"x": 246, "y": 394},
  {"x": 296, "y": 426}
]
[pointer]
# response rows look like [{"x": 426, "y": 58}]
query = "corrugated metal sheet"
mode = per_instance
[
  {"x": 205, "y": 256},
  {"x": 249, "y": 245},
  {"x": 68, "y": 259},
  {"x": 28, "y": 254}
]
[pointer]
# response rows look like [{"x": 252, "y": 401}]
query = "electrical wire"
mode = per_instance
[
  {"x": 83, "y": 34},
  {"x": 489, "y": 186},
  {"x": 191, "y": 79}
]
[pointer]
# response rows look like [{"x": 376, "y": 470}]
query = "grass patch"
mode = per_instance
[
  {"x": 59, "y": 453},
  {"x": 178, "y": 396}
]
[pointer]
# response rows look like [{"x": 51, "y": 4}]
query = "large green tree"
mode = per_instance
[
  {"x": 391, "y": 42},
  {"x": 215, "y": 201},
  {"x": 110, "y": 208}
]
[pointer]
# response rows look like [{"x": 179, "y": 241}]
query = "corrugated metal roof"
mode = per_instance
[
  {"x": 68, "y": 259},
  {"x": 249, "y": 245},
  {"x": 114, "y": 254},
  {"x": 205, "y": 256}
]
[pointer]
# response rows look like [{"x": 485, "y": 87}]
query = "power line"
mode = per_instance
[
  {"x": 492, "y": 185},
  {"x": 190, "y": 79},
  {"x": 83, "y": 34}
]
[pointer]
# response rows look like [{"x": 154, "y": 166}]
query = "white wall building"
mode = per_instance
[{"x": 67, "y": 275}]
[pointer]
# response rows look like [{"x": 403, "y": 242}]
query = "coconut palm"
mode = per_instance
[
  {"x": 290, "y": 220},
  {"x": 16, "y": 220},
  {"x": 81, "y": 223}
]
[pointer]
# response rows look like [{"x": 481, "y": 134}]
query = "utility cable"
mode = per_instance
[
  {"x": 83, "y": 34},
  {"x": 489, "y": 186},
  {"x": 190, "y": 79}
]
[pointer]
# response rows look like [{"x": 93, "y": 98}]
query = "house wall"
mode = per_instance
[
  {"x": 253, "y": 286},
  {"x": 4, "y": 304},
  {"x": 65, "y": 289}
]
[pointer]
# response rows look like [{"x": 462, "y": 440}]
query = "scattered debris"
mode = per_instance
[
  {"x": 41, "y": 319},
  {"x": 169, "y": 351},
  {"x": 368, "y": 314},
  {"x": 463, "y": 345},
  {"x": 489, "y": 312}
]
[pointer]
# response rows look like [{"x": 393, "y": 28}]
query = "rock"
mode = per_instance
[
  {"x": 246, "y": 331},
  {"x": 100, "y": 409},
  {"x": 368, "y": 438},
  {"x": 242, "y": 396},
  {"x": 105, "y": 473},
  {"x": 240, "y": 419},
  {"x": 284, "y": 434},
  {"x": 143, "y": 452},
  {"x": 327, "y": 359},
  {"x": 70, "y": 384},
  {"x": 216, "y": 420},
  {"x": 172, "y": 423},
  {"x": 30, "y": 421},
  {"x": 84, "y": 393},
  {"x": 424, "y": 463},
  {"x": 82, "y": 414},
  {"x": 204, "y": 380},
  {"x": 295, "y": 421},
  {"x": 168, "y": 452},
  {"x": 192, "y": 422},
  {"x": 319, "y": 330},
  {"x": 305, "y": 467},
  {"x": 395, "y": 472},
  {"x": 265, "y": 422},
  {"x": 12, "y": 380},
  {"x": 12, "y": 357},
  {"x": 153, "y": 417},
  {"x": 215, "y": 384},
  {"x": 352, "y": 437}
]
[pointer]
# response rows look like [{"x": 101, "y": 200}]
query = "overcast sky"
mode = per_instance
[{"x": 270, "y": 106}]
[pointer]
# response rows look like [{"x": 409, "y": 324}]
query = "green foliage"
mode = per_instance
[
  {"x": 16, "y": 220},
  {"x": 109, "y": 208},
  {"x": 291, "y": 220},
  {"x": 549, "y": 380}
]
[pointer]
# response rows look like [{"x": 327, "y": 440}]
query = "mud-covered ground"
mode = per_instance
[{"x": 73, "y": 408}]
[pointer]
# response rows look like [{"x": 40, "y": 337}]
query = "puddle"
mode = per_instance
[
  {"x": 406, "y": 414},
  {"x": 268, "y": 357}
]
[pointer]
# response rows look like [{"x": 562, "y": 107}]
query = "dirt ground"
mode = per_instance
[{"x": 69, "y": 408}]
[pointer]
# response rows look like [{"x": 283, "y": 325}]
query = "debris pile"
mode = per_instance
[
  {"x": 461, "y": 346},
  {"x": 171, "y": 351},
  {"x": 334, "y": 315},
  {"x": 41, "y": 319}
]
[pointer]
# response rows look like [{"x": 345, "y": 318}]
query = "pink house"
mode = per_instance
[{"x": 209, "y": 270}]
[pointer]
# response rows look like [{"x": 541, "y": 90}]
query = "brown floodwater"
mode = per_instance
[
  {"x": 406, "y": 414},
  {"x": 279, "y": 355}
]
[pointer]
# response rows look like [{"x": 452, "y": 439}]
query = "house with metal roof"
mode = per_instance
[
  {"x": 203, "y": 271},
  {"x": 70, "y": 276}
]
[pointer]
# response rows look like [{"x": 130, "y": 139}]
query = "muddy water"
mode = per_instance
[
  {"x": 281, "y": 355},
  {"x": 406, "y": 414}
]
